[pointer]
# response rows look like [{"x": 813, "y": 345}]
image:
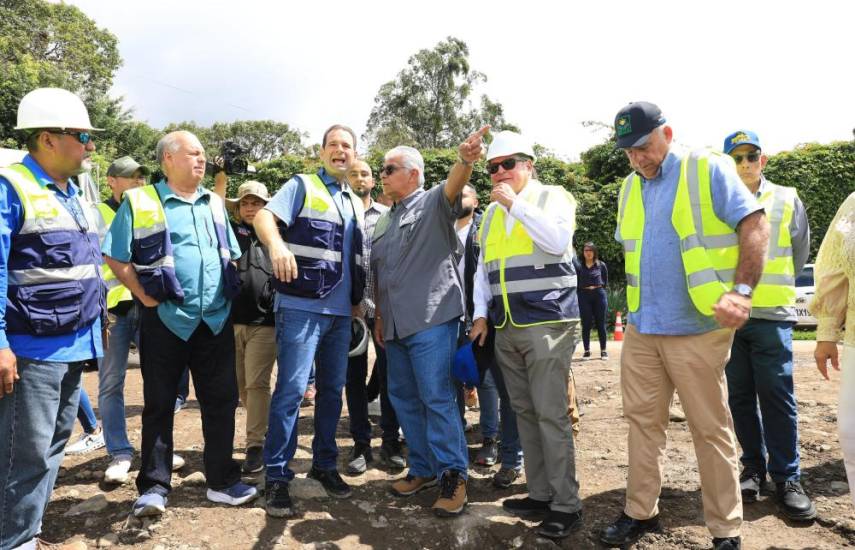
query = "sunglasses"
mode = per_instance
[
  {"x": 390, "y": 169},
  {"x": 750, "y": 157},
  {"x": 82, "y": 137},
  {"x": 507, "y": 164}
]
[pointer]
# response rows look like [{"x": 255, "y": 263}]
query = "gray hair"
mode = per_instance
[
  {"x": 410, "y": 158},
  {"x": 171, "y": 143}
]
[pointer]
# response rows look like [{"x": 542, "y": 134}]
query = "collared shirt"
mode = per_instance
[
  {"x": 551, "y": 229},
  {"x": 197, "y": 259},
  {"x": 80, "y": 345},
  {"x": 596, "y": 275},
  {"x": 286, "y": 205},
  {"x": 665, "y": 304},
  {"x": 800, "y": 237},
  {"x": 372, "y": 214},
  {"x": 414, "y": 262}
]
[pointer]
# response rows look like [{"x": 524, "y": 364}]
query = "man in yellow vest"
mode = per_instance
[
  {"x": 761, "y": 360},
  {"x": 123, "y": 319},
  {"x": 694, "y": 240},
  {"x": 526, "y": 283}
]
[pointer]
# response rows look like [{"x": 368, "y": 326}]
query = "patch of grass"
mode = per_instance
[{"x": 804, "y": 334}]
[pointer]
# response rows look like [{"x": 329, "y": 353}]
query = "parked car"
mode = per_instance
[{"x": 804, "y": 294}]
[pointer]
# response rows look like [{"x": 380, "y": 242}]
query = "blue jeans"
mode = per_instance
[
  {"x": 495, "y": 406},
  {"x": 303, "y": 337},
  {"x": 36, "y": 421},
  {"x": 761, "y": 369},
  {"x": 85, "y": 414},
  {"x": 423, "y": 395},
  {"x": 124, "y": 329}
]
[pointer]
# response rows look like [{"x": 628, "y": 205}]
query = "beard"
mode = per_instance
[
  {"x": 465, "y": 211},
  {"x": 361, "y": 193}
]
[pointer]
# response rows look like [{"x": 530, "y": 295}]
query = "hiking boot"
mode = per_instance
[
  {"x": 452, "y": 495},
  {"x": 488, "y": 453},
  {"x": 278, "y": 500},
  {"x": 87, "y": 443},
  {"x": 750, "y": 482},
  {"x": 793, "y": 502},
  {"x": 390, "y": 454},
  {"x": 526, "y": 508},
  {"x": 237, "y": 494},
  {"x": 254, "y": 461},
  {"x": 360, "y": 456},
  {"x": 505, "y": 477},
  {"x": 558, "y": 525},
  {"x": 728, "y": 543},
  {"x": 626, "y": 530},
  {"x": 117, "y": 470},
  {"x": 333, "y": 484},
  {"x": 410, "y": 485}
]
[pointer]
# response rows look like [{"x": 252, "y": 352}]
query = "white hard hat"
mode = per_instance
[
  {"x": 358, "y": 337},
  {"x": 52, "y": 108},
  {"x": 506, "y": 143}
]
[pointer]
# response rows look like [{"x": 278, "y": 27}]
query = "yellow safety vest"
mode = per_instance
[
  {"x": 708, "y": 246},
  {"x": 116, "y": 291},
  {"x": 777, "y": 284},
  {"x": 529, "y": 285}
]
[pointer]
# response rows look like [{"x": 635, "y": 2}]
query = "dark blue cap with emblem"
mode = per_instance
[{"x": 634, "y": 123}]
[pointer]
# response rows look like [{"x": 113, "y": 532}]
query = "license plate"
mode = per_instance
[{"x": 802, "y": 312}]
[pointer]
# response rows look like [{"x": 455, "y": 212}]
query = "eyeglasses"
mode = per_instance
[
  {"x": 82, "y": 137},
  {"x": 507, "y": 164},
  {"x": 750, "y": 157},
  {"x": 389, "y": 169}
]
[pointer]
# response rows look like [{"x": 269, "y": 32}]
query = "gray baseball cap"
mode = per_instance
[{"x": 125, "y": 167}]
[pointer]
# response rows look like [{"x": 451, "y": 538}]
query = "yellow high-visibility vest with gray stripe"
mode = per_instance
[
  {"x": 777, "y": 285},
  {"x": 116, "y": 291},
  {"x": 708, "y": 246},
  {"x": 529, "y": 285}
]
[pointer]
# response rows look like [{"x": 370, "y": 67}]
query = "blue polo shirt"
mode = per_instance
[
  {"x": 197, "y": 259},
  {"x": 286, "y": 205},
  {"x": 665, "y": 304},
  {"x": 80, "y": 345}
]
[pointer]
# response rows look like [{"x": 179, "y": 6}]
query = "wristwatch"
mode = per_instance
[{"x": 743, "y": 290}]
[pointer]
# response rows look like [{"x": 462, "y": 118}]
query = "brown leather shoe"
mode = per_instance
[
  {"x": 452, "y": 495},
  {"x": 411, "y": 485}
]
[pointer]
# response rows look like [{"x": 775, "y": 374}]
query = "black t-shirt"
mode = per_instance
[{"x": 254, "y": 304}]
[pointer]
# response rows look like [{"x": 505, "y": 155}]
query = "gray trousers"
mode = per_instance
[{"x": 535, "y": 362}]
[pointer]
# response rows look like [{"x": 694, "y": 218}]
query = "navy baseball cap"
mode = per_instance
[
  {"x": 634, "y": 123},
  {"x": 740, "y": 137}
]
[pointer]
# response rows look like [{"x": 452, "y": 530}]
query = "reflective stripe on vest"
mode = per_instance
[
  {"x": 529, "y": 285},
  {"x": 708, "y": 246},
  {"x": 116, "y": 291},
  {"x": 54, "y": 285},
  {"x": 777, "y": 284}
]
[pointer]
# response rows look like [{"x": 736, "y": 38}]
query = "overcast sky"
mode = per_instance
[{"x": 783, "y": 69}]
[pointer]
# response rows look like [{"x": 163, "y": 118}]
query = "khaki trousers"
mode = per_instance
[
  {"x": 255, "y": 353},
  {"x": 535, "y": 363},
  {"x": 651, "y": 367}
]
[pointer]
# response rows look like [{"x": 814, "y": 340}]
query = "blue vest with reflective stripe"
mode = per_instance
[
  {"x": 55, "y": 285},
  {"x": 316, "y": 238}
]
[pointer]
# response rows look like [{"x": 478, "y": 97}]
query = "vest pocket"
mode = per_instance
[
  {"x": 57, "y": 247},
  {"x": 149, "y": 248},
  {"x": 152, "y": 281},
  {"x": 310, "y": 278},
  {"x": 52, "y": 308}
]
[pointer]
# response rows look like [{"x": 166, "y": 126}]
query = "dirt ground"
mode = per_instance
[{"x": 373, "y": 518}]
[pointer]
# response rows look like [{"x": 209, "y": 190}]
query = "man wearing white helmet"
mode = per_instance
[
  {"x": 526, "y": 283},
  {"x": 50, "y": 319}
]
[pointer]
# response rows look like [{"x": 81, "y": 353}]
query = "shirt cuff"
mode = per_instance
[
  {"x": 480, "y": 310},
  {"x": 827, "y": 330}
]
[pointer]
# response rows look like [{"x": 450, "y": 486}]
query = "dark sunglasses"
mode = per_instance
[
  {"x": 751, "y": 157},
  {"x": 507, "y": 164},
  {"x": 82, "y": 137},
  {"x": 390, "y": 169}
]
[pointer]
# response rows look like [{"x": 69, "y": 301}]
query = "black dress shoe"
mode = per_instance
[
  {"x": 750, "y": 483},
  {"x": 793, "y": 502},
  {"x": 627, "y": 530},
  {"x": 332, "y": 482},
  {"x": 558, "y": 525},
  {"x": 526, "y": 508},
  {"x": 728, "y": 543}
]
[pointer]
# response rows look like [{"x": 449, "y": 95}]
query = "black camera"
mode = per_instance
[{"x": 234, "y": 160}]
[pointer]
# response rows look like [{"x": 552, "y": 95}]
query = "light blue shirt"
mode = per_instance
[
  {"x": 197, "y": 259},
  {"x": 80, "y": 345},
  {"x": 286, "y": 205},
  {"x": 665, "y": 304}
]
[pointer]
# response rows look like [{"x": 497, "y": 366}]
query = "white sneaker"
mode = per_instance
[
  {"x": 86, "y": 443},
  {"x": 117, "y": 471},
  {"x": 177, "y": 462}
]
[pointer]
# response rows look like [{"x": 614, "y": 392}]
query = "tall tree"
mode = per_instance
[
  {"x": 428, "y": 105},
  {"x": 262, "y": 140}
]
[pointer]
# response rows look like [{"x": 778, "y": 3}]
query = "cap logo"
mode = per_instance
[
  {"x": 741, "y": 136},
  {"x": 624, "y": 126}
]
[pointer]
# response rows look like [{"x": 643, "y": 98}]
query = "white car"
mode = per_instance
[{"x": 804, "y": 294}]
